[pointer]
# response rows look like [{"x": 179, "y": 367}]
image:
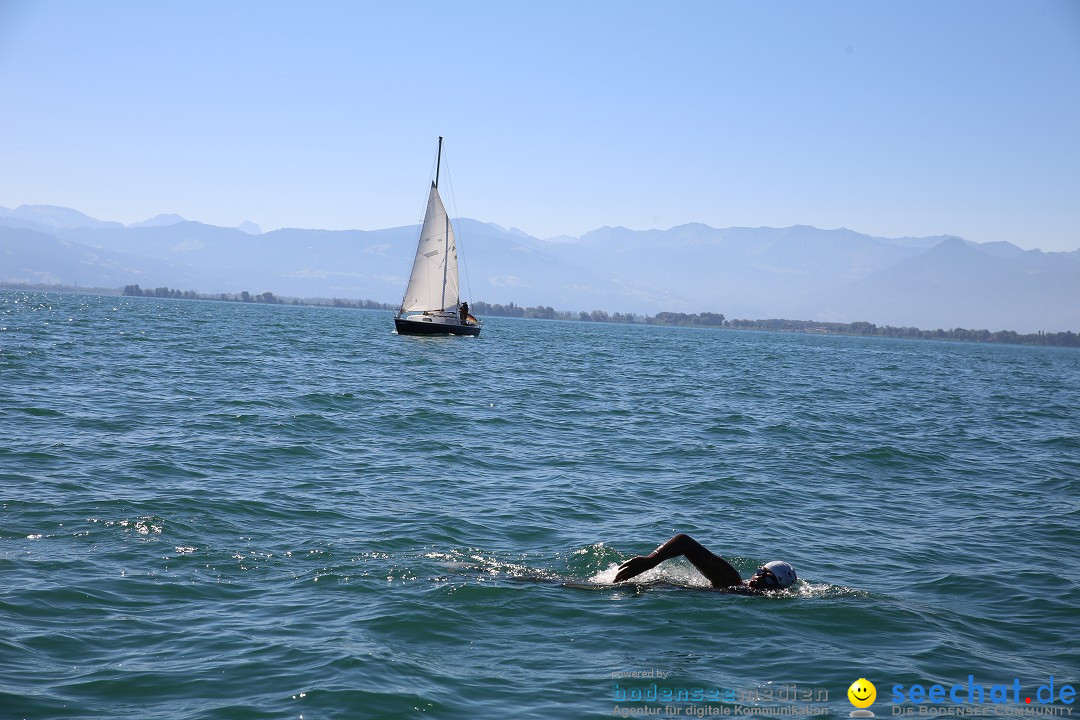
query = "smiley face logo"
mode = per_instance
[{"x": 862, "y": 693}]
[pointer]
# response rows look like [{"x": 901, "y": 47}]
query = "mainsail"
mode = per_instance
[{"x": 433, "y": 284}]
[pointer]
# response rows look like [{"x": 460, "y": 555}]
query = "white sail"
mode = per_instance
[{"x": 433, "y": 284}]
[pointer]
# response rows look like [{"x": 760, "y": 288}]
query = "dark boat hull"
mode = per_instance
[{"x": 411, "y": 327}]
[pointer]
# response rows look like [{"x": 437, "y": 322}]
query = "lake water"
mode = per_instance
[{"x": 215, "y": 510}]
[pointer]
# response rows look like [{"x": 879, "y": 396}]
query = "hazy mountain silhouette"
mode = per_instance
[
  {"x": 157, "y": 220},
  {"x": 798, "y": 272},
  {"x": 32, "y": 256},
  {"x": 956, "y": 284},
  {"x": 52, "y": 216}
]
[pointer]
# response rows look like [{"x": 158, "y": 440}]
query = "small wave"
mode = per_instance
[
  {"x": 819, "y": 591},
  {"x": 891, "y": 456},
  {"x": 163, "y": 469},
  {"x": 667, "y": 574},
  {"x": 592, "y": 560},
  {"x": 1065, "y": 442},
  {"x": 143, "y": 525},
  {"x": 326, "y": 400},
  {"x": 39, "y": 412}
]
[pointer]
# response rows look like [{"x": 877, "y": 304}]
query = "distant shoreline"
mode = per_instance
[{"x": 705, "y": 319}]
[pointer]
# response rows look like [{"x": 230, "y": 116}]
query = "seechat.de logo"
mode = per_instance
[{"x": 976, "y": 693}]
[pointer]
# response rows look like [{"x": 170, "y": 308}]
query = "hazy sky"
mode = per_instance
[{"x": 891, "y": 118}]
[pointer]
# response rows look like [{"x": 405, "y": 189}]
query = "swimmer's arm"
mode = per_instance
[{"x": 716, "y": 569}]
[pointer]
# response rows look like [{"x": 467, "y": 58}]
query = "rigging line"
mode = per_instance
[{"x": 457, "y": 230}]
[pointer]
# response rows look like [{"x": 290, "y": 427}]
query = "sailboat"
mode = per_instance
[{"x": 431, "y": 303}]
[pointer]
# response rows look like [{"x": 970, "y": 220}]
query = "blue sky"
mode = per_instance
[{"x": 890, "y": 118}]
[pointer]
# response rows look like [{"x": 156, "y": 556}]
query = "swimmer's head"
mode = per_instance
[{"x": 775, "y": 575}]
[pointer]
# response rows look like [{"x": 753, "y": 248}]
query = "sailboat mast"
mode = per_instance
[
  {"x": 446, "y": 229},
  {"x": 438, "y": 162}
]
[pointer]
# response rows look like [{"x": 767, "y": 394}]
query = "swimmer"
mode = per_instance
[{"x": 774, "y": 575}]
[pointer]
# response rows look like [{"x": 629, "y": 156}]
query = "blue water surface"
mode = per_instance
[{"x": 225, "y": 510}]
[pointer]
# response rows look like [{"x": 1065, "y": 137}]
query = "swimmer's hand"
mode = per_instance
[{"x": 636, "y": 566}]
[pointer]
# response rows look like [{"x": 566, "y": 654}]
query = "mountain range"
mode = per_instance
[{"x": 797, "y": 272}]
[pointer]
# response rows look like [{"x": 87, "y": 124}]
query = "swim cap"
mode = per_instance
[{"x": 784, "y": 573}]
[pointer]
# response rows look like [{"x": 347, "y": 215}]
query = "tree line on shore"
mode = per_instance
[
  {"x": 265, "y": 298},
  {"x": 708, "y": 319},
  {"x": 704, "y": 319},
  {"x": 866, "y": 329}
]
